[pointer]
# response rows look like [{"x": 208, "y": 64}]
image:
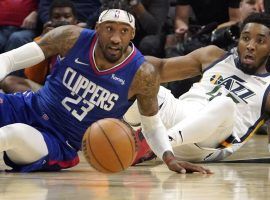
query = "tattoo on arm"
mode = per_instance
[
  {"x": 59, "y": 40},
  {"x": 147, "y": 86}
]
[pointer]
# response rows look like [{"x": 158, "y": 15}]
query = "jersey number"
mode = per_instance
[{"x": 82, "y": 112}]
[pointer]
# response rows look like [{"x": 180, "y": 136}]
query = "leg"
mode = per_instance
[
  {"x": 19, "y": 38},
  {"x": 5, "y": 32},
  {"x": 3, "y": 40},
  {"x": 23, "y": 144},
  {"x": 219, "y": 113},
  {"x": 27, "y": 149}
]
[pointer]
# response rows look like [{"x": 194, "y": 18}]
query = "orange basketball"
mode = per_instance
[{"x": 109, "y": 146}]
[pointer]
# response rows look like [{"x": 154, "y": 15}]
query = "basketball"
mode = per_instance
[{"x": 109, "y": 146}]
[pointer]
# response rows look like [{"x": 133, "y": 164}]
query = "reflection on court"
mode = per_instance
[{"x": 151, "y": 180}]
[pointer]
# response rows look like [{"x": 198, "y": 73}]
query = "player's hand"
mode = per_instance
[
  {"x": 30, "y": 22},
  {"x": 182, "y": 166},
  {"x": 260, "y": 6}
]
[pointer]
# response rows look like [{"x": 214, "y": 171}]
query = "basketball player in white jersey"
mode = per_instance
[{"x": 221, "y": 112}]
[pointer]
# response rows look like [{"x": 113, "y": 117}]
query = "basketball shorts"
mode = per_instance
[{"x": 22, "y": 108}]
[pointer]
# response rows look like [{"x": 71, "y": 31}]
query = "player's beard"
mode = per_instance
[
  {"x": 109, "y": 56},
  {"x": 246, "y": 68},
  {"x": 112, "y": 55}
]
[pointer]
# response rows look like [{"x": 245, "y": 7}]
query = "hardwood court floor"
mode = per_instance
[{"x": 237, "y": 181}]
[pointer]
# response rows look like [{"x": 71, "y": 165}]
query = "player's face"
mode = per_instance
[
  {"x": 113, "y": 39},
  {"x": 254, "y": 47}
]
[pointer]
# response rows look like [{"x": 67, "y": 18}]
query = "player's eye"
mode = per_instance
[
  {"x": 125, "y": 30},
  {"x": 260, "y": 40},
  {"x": 245, "y": 38},
  {"x": 109, "y": 29}
]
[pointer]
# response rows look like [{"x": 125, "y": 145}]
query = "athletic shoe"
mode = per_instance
[{"x": 144, "y": 153}]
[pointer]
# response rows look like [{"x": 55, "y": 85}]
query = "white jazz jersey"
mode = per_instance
[
  {"x": 249, "y": 92},
  {"x": 221, "y": 78}
]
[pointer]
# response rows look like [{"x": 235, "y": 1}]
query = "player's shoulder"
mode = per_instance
[
  {"x": 147, "y": 70},
  {"x": 59, "y": 40},
  {"x": 146, "y": 77},
  {"x": 69, "y": 31}
]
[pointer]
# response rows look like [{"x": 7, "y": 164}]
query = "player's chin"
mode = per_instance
[
  {"x": 113, "y": 57},
  {"x": 248, "y": 68}
]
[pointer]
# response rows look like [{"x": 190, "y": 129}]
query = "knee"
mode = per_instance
[
  {"x": 15, "y": 37},
  {"x": 18, "y": 133},
  {"x": 226, "y": 105}
]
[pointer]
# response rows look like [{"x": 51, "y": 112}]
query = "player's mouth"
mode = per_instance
[
  {"x": 114, "y": 50},
  {"x": 248, "y": 59}
]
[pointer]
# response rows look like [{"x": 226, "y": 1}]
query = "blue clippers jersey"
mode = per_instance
[{"x": 78, "y": 94}]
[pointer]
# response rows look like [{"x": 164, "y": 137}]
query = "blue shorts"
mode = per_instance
[{"x": 22, "y": 108}]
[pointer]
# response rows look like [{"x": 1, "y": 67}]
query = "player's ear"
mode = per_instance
[
  {"x": 133, "y": 34},
  {"x": 97, "y": 26}
]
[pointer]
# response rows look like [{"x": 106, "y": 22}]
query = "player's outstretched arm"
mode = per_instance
[
  {"x": 183, "y": 166},
  {"x": 145, "y": 87},
  {"x": 57, "y": 41},
  {"x": 183, "y": 67}
]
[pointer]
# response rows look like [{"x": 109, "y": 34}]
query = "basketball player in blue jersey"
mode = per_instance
[
  {"x": 97, "y": 75},
  {"x": 222, "y": 111}
]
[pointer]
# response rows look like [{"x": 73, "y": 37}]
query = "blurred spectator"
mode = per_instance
[
  {"x": 227, "y": 36},
  {"x": 62, "y": 12},
  {"x": 246, "y": 8},
  {"x": 150, "y": 17},
  {"x": 193, "y": 29},
  {"x": 224, "y": 14},
  {"x": 221, "y": 11},
  {"x": 18, "y": 20},
  {"x": 263, "y": 6},
  {"x": 85, "y": 10}
]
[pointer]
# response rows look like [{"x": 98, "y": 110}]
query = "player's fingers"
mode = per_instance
[
  {"x": 174, "y": 166},
  {"x": 178, "y": 168},
  {"x": 196, "y": 168}
]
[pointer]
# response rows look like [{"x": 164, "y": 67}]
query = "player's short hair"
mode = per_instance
[
  {"x": 260, "y": 18},
  {"x": 61, "y": 4}
]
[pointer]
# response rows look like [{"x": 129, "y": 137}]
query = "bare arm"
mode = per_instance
[
  {"x": 234, "y": 14},
  {"x": 235, "y": 17},
  {"x": 56, "y": 42},
  {"x": 182, "y": 13},
  {"x": 190, "y": 65},
  {"x": 145, "y": 87},
  {"x": 59, "y": 40}
]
